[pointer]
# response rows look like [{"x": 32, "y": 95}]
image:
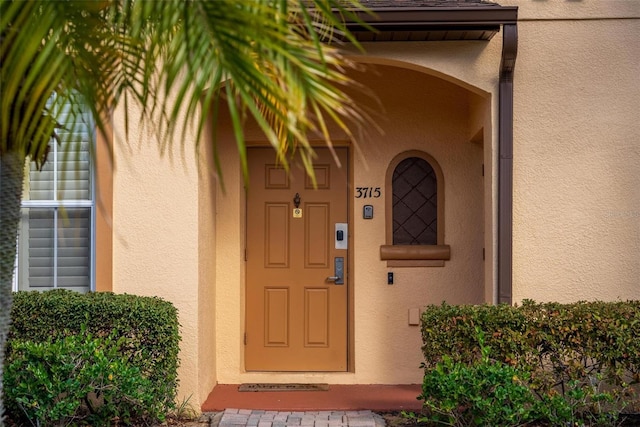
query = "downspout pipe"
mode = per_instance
[{"x": 505, "y": 164}]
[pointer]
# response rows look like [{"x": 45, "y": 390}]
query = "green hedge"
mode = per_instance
[
  {"x": 559, "y": 364},
  {"x": 146, "y": 330},
  {"x": 77, "y": 380},
  {"x": 556, "y": 342}
]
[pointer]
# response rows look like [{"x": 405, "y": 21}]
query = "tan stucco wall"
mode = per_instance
[
  {"x": 577, "y": 152},
  {"x": 576, "y": 193},
  {"x": 207, "y": 189},
  {"x": 476, "y": 69},
  {"x": 163, "y": 241}
]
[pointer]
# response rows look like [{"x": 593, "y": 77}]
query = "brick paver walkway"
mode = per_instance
[{"x": 255, "y": 418}]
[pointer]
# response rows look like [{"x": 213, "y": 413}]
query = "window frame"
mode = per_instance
[
  {"x": 414, "y": 255},
  {"x": 56, "y": 205}
]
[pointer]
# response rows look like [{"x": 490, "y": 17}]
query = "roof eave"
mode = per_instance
[
  {"x": 407, "y": 18},
  {"x": 489, "y": 15}
]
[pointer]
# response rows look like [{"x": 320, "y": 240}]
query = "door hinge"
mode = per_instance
[
  {"x": 483, "y": 169},
  {"x": 245, "y": 338},
  {"x": 245, "y": 254},
  {"x": 483, "y": 254}
]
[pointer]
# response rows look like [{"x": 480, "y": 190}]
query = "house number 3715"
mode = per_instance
[{"x": 367, "y": 192}]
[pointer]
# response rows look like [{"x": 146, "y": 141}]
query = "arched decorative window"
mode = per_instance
[
  {"x": 415, "y": 203},
  {"x": 415, "y": 212}
]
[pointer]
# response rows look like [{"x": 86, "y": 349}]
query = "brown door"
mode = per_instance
[{"x": 296, "y": 308}]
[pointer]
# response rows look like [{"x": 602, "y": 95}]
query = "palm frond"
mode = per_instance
[
  {"x": 172, "y": 58},
  {"x": 277, "y": 65}
]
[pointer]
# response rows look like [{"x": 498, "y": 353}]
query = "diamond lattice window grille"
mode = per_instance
[{"x": 415, "y": 203}]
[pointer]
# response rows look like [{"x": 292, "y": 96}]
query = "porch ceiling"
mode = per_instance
[{"x": 431, "y": 20}]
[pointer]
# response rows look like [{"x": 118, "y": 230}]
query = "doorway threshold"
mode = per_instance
[{"x": 376, "y": 397}]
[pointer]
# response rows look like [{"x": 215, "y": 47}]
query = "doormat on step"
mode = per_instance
[{"x": 283, "y": 387}]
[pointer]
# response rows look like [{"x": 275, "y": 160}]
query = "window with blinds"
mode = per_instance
[{"x": 56, "y": 237}]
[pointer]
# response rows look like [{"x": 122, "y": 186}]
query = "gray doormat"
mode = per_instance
[{"x": 283, "y": 387}]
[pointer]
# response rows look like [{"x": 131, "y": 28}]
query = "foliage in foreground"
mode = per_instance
[
  {"x": 78, "y": 379},
  {"x": 492, "y": 393},
  {"x": 91, "y": 357},
  {"x": 552, "y": 363},
  {"x": 485, "y": 393},
  {"x": 180, "y": 63}
]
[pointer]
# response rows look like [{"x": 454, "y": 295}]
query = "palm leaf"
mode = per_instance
[{"x": 174, "y": 59}]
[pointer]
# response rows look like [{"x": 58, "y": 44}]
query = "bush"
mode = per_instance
[
  {"x": 77, "y": 379},
  {"x": 578, "y": 359},
  {"x": 558, "y": 342},
  {"x": 144, "y": 330},
  {"x": 485, "y": 393},
  {"x": 489, "y": 392}
]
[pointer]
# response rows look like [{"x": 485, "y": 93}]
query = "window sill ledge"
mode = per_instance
[{"x": 415, "y": 255}]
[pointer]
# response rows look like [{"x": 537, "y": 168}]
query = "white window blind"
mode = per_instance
[{"x": 55, "y": 248}]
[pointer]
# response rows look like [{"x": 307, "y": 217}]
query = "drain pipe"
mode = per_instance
[{"x": 505, "y": 165}]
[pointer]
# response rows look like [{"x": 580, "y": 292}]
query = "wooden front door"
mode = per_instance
[{"x": 296, "y": 309}]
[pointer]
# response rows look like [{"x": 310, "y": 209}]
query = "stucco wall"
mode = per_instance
[
  {"x": 576, "y": 156},
  {"x": 577, "y": 152},
  {"x": 425, "y": 113},
  {"x": 576, "y": 193},
  {"x": 208, "y": 187},
  {"x": 162, "y": 229}
]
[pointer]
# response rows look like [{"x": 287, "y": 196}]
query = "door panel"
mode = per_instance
[
  {"x": 316, "y": 235},
  {"x": 277, "y": 235},
  {"x": 316, "y": 318},
  {"x": 276, "y": 325},
  {"x": 296, "y": 318}
]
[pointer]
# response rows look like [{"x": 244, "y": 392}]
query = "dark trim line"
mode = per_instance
[
  {"x": 426, "y": 26},
  {"x": 505, "y": 165},
  {"x": 436, "y": 16}
]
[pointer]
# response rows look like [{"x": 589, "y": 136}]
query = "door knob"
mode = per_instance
[{"x": 333, "y": 278}]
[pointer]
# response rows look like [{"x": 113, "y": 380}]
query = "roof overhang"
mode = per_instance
[{"x": 432, "y": 23}]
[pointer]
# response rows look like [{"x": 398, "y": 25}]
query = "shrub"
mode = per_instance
[
  {"x": 489, "y": 392},
  {"x": 77, "y": 379},
  {"x": 557, "y": 342},
  {"x": 485, "y": 393},
  {"x": 578, "y": 359},
  {"x": 144, "y": 328}
]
